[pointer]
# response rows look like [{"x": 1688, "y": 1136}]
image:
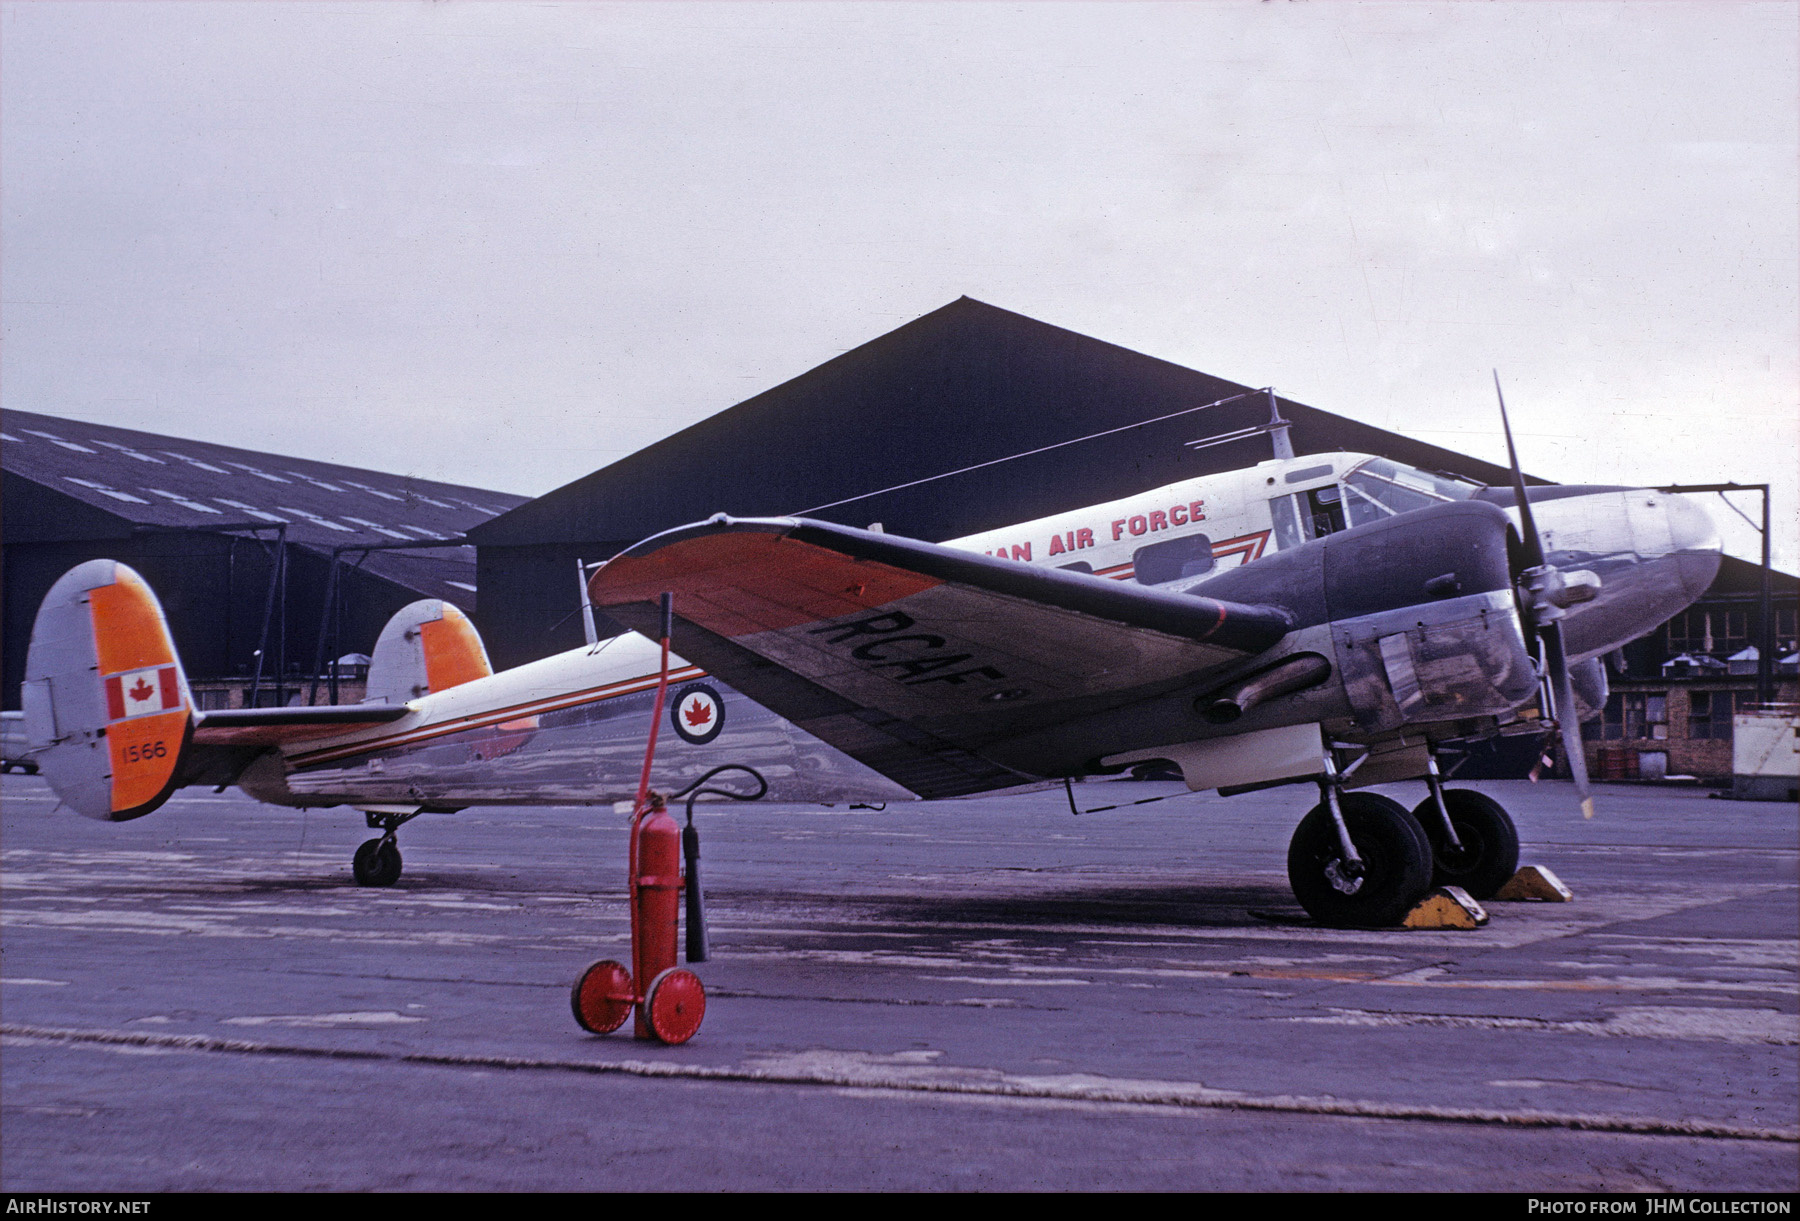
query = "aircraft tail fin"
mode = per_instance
[
  {"x": 428, "y": 646},
  {"x": 107, "y": 706}
]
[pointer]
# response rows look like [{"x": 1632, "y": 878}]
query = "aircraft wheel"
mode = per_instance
[
  {"x": 1490, "y": 842},
  {"x": 675, "y": 1005},
  {"x": 602, "y": 998},
  {"x": 1396, "y": 860},
  {"x": 376, "y": 863}
]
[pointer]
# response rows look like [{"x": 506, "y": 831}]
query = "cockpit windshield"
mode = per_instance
[{"x": 1378, "y": 488}]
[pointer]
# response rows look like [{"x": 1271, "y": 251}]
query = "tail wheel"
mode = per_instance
[
  {"x": 376, "y": 863},
  {"x": 1489, "y": 855},
  {"x": 602, "y": 998},
  {"x": 1396, "y": 863}
]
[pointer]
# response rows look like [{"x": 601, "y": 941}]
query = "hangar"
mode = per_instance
[
  {"x": 241, "y": 547},
  {"x": 964, "y": 385}
]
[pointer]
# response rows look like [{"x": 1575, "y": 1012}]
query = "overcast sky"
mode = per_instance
[{"x": 506, "y": 244}]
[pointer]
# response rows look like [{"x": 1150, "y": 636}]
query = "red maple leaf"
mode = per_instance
[
  {"x": 698, "y": 713},
  {"x": 142, "y": 691}
]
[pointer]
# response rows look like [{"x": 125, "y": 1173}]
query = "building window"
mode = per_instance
[
  {"x": 1630, "y": 714},
  {"x": 1709, "y": 715},
  {"x": 1715, "y": 631}
]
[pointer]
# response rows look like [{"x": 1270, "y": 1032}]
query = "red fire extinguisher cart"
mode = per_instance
[{"x": 673, "y": 1003}]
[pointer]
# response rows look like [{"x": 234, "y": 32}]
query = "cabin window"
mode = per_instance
[{"x": 1170, "y": 561}]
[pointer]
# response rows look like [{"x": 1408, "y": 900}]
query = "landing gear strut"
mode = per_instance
[{"x": 377, "y": 861}]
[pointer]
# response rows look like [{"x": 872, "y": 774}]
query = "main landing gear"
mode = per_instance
[
  {"x": 377, "y": 861},
  {"x": 1365, "y": 871},
  {"x": 1474, "y": 844},
  {"x": 1361, "y": 860}
]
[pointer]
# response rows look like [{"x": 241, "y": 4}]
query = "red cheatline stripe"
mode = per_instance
[{"x": 592, "y": 695}]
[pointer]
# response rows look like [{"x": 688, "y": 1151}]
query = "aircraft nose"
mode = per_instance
[
  {"x": 1693, "y": 542},
  {"x": 1654, "y": 552},
  {"x": 1690, "y": 527}
]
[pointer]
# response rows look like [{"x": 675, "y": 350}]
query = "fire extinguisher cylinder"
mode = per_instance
[{"x": 657, "y": 894}]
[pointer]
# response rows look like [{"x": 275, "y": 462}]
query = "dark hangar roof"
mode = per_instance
[
  {"x": 94, "y": 481},
  {"x": 964, "y": 384}
]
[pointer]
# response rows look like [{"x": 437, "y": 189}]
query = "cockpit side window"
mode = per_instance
[
  {"x": 1287, "y": 522},
  {"x": 1307, "y": 515},
  {"x": 1325, "y": 507},
  {"x": 1378, "y": 488}
]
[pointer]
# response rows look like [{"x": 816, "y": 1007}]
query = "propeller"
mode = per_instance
[{"x": 1546, "y": 596}]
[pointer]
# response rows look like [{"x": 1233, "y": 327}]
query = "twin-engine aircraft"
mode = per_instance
[{"x": 1332, "y": 619}]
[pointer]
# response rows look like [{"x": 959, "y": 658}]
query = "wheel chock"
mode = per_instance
[
  {"x": 1446, "y": 907},
  {"x": 1534, "y": 882}
]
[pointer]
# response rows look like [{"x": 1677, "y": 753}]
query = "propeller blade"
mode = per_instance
[
  {"x": 1547, "y": 624},
  {"x": 1534, "y": 546},
  {"x": 1566, "y": 712}
]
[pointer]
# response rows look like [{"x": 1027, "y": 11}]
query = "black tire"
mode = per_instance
[
  {"x": 1490, "y": 842},
  {"x": 376, "y": 863},
  {"x": 1396, "y": 860}
]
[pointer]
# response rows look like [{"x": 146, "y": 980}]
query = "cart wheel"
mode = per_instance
[
  {"x": 675, "y": 1004},
  {"x": 602, "y": 997}
]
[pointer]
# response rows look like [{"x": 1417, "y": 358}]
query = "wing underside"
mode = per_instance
[{"x": 928, "y": 664}]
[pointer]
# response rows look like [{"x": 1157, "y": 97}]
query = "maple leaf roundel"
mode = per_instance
[{"x": 698, "y": 714}]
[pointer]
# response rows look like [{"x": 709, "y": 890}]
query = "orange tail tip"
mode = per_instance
[
  {"x": 428, "y": 646},
  {"x": 106, "y": 702}
]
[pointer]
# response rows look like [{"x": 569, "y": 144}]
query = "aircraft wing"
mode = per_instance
[{"x": 918, "y": 660}]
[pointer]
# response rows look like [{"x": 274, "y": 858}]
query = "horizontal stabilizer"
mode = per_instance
[
  {"x": 918, "y": 660},
  {"x": 278, "y": 726}
]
